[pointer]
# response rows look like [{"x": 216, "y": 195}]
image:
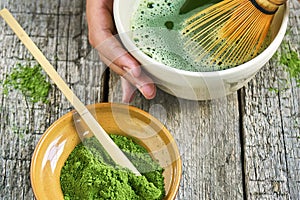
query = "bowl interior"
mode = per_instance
[{"x": 61, "y": 138}]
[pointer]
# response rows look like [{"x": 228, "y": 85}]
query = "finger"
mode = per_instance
[
  {"x": 100, "y": 21},
  {"x": 143, "y": 82},
  {"x": 145, "y": 85},
  {"x": 128, "y": 91},
  {"x": 114, "y": 52}
]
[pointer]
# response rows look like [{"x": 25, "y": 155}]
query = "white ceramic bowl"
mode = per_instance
[{"x": 198, "y": 85}]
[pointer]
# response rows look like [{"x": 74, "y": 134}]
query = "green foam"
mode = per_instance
[{"x": 156, "y": 28}]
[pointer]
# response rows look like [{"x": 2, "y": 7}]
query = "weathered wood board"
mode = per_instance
[
  {"x": 244, "y": 146},
  {"x": 271, "y": 125}
]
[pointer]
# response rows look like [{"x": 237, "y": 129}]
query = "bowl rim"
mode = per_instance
[
  {"x": 270, "y": 50},
  {"x": 177, "y": 164}
]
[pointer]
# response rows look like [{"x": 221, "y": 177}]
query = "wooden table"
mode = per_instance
[{"x": 244, "y": 146}]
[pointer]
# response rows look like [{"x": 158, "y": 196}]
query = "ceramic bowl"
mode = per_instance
[
  {"x": 61, "y": 137},
  {"x": 198, "y": 85}
]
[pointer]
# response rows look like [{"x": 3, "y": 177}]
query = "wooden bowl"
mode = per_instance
[{"x": 61, "y": 137}]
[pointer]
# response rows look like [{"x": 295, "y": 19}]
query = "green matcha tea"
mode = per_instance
[
  {"x": 89, "y": 173},
  {"x": 156, "y": 28}
]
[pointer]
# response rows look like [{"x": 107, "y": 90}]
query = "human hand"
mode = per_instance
[{"x": 101, "y": 30}]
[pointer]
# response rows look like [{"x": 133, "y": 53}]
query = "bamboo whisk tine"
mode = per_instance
[{"x": 230, "y": 32}]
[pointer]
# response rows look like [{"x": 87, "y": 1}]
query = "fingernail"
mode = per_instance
[{"x": 148, "y": 90}]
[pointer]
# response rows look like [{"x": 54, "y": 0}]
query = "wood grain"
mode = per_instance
[
  {"x": 244, "y": 146},
  {"x": 271, "y": 126}
]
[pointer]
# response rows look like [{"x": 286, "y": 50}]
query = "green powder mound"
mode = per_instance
[{"x": 89, "y": 173}]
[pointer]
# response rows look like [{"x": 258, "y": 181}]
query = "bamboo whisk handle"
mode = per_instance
[
  {"x": 277, "y": 2},
  {"x": 268, "y": 6}
]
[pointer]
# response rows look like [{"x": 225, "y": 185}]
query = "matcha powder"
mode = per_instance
[{"x": 89, "y": 173}]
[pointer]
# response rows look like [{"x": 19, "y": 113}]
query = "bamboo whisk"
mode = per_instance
[{"x": 230, "y": 32}]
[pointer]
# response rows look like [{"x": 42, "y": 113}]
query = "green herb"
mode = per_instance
[
  {"x": 89, "y": 173},
  {"x": 291, "y": 62},
  {"x": 30, "y": 81},
  {"x": 273, "y": 89}
]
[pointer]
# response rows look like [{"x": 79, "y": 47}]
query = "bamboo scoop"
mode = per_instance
[{"x": 112, "y": 149}]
